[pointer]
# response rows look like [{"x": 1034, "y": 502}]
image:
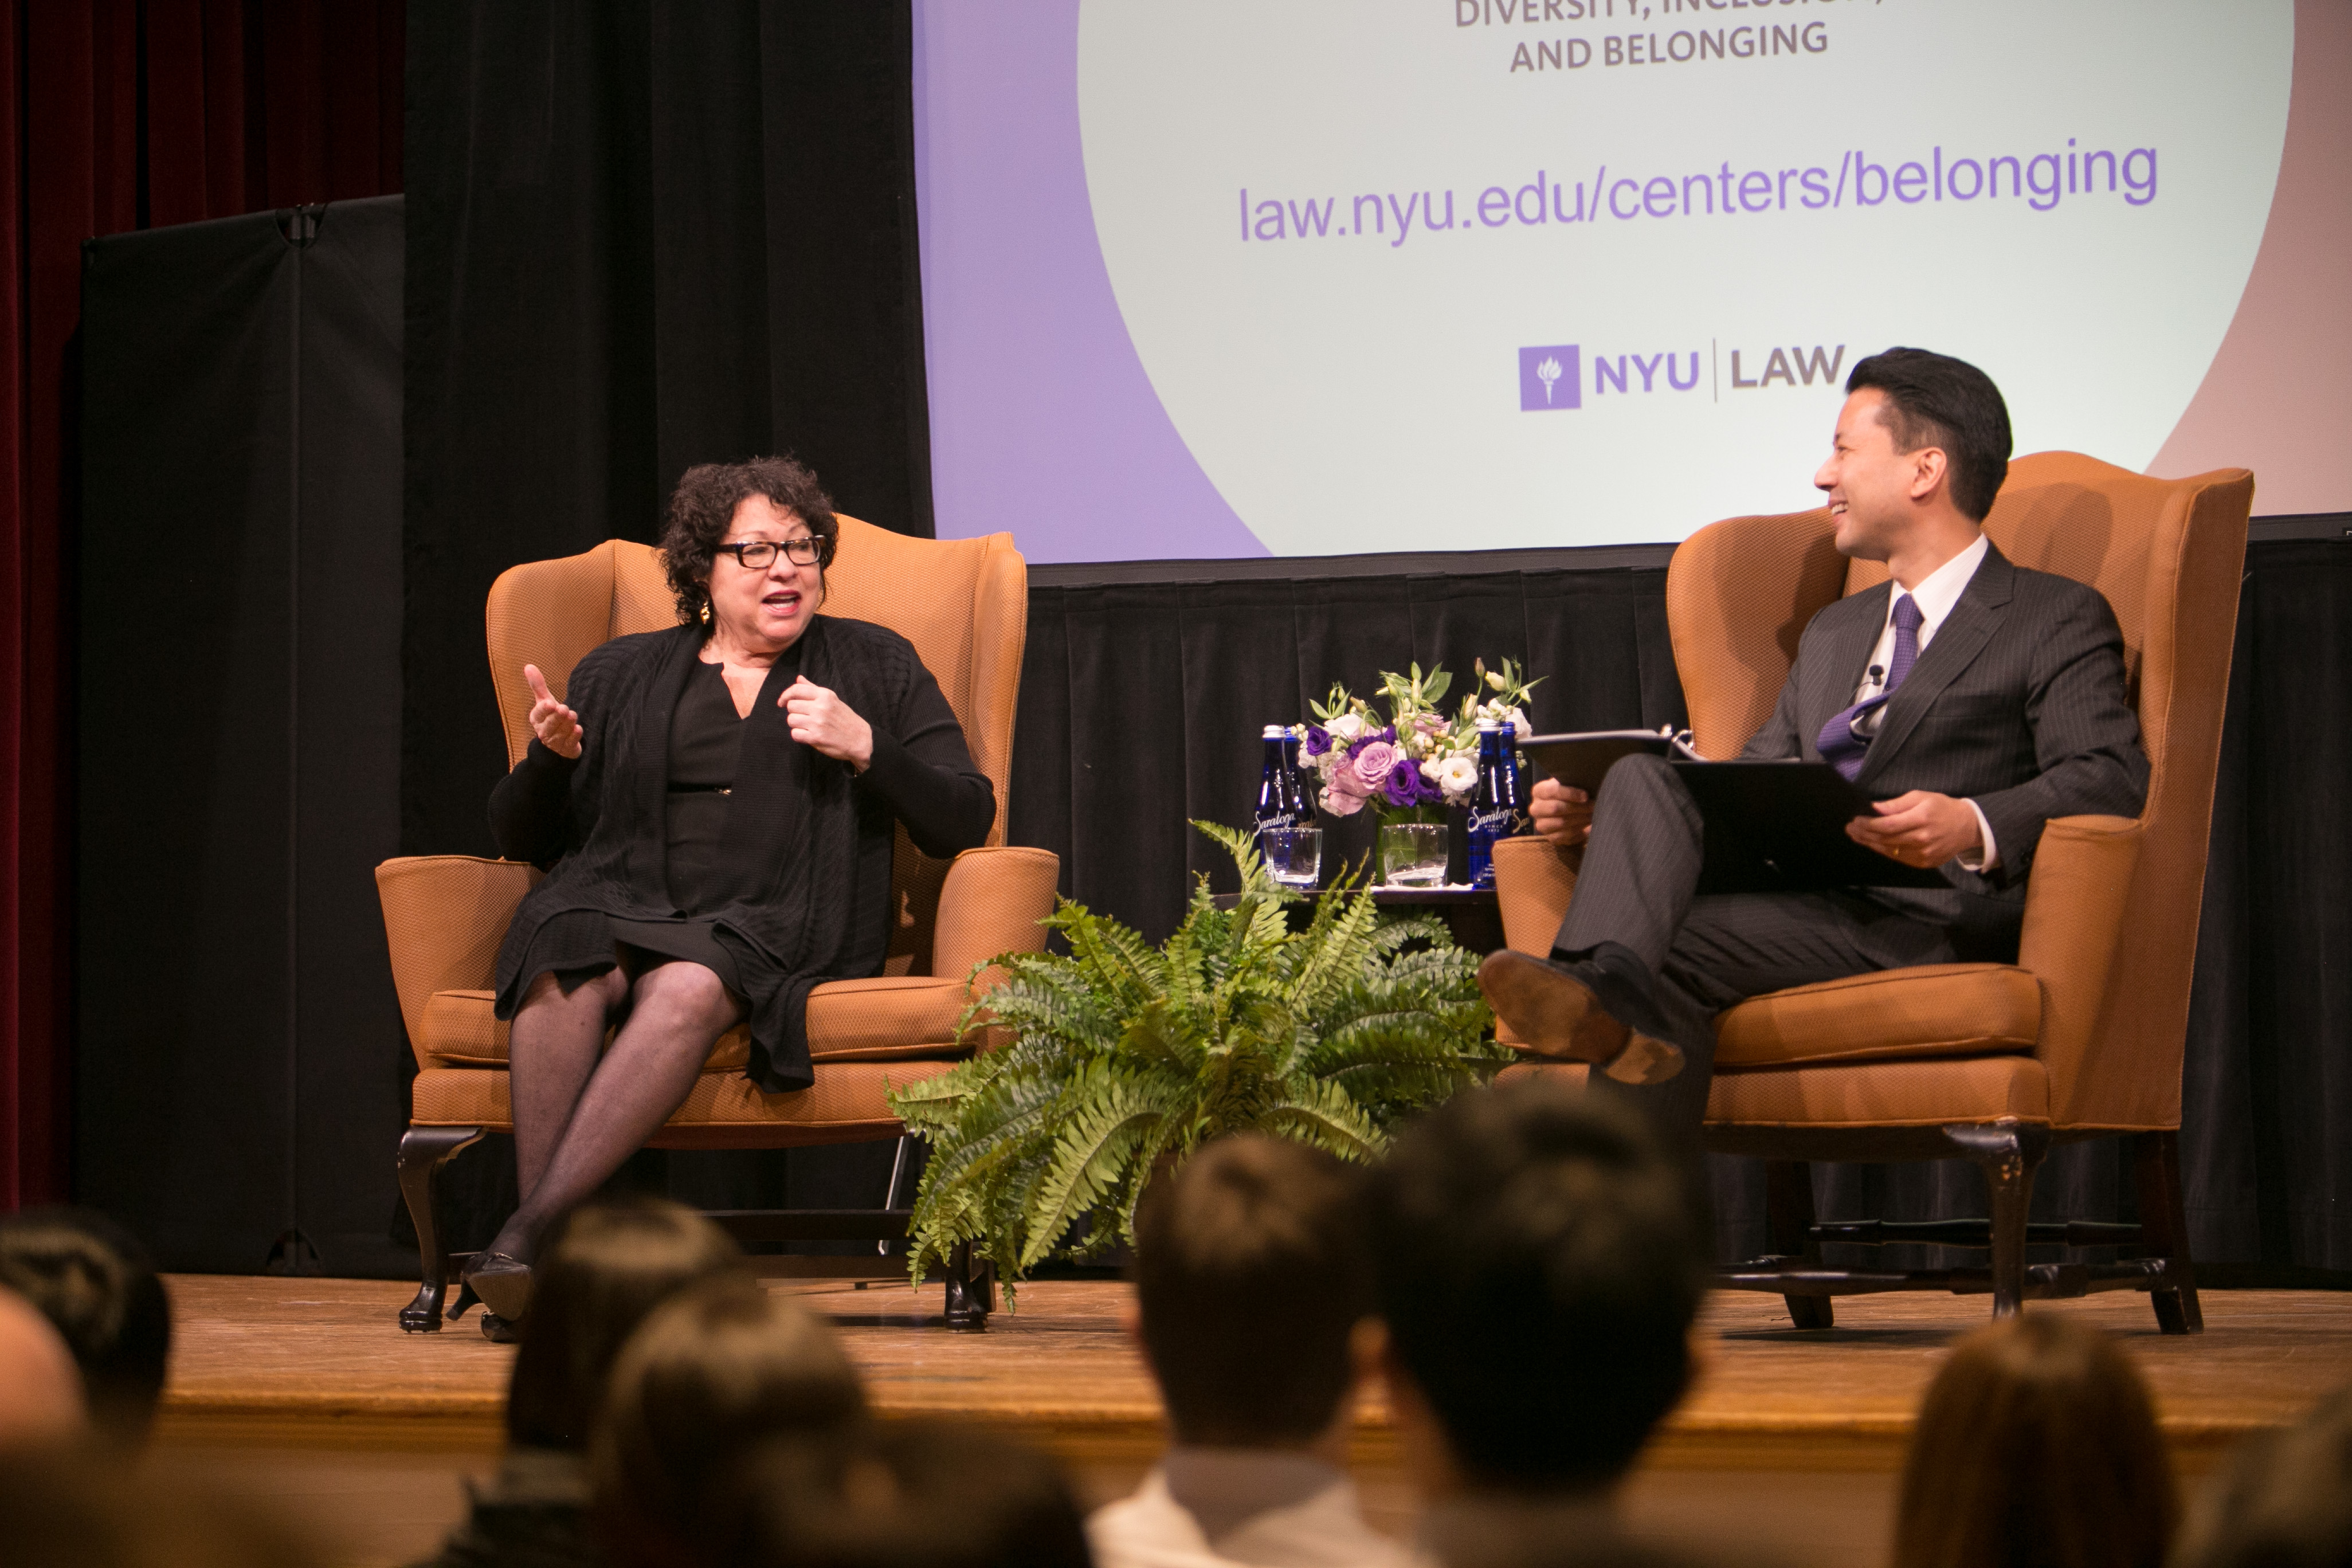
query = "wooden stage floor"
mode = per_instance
[{"x": 306, "y": 1391}]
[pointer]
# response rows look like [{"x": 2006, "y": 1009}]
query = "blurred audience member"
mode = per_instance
[
  {"x": 901, "y": 1495},
  {"x": 711, "y": 1373},
  {"x": 2285, "y": 1500},
  {"x": 1252, "y": 1278},
  {"x": 607, "y": 1267},
  {"x": 2036, "y": 1447},
  {"x": 1539, "y": 1268},
  {"x": 71, "y": 1509},
  {"x": 40, "y": 1391},
  {"x": 93, "y": 1281}
]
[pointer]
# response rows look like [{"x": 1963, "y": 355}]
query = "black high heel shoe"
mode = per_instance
[{"x": 503, "y": 1281}]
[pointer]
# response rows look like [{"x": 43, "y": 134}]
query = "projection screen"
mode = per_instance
[{"x": 1216, "y": 278}]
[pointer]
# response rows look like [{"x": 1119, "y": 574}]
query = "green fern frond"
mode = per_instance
[{"x": 1125, "y": 1059}]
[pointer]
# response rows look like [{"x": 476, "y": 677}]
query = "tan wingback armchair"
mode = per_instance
[
  {"x": 964, "y": 605},
  {"x": 2082, "y": 1037}
]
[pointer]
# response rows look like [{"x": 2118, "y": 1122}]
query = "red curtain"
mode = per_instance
[{"x": 124, "y": 114}]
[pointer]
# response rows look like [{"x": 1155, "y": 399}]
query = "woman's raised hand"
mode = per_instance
[
  {"x": 557, "y": 727},
  {"x": 821, "y": 720}
]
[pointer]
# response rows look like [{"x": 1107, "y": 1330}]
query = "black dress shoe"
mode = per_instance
[
  {"x": 1558, "y": 1010},
  {"x": 503, "y": 1281}
]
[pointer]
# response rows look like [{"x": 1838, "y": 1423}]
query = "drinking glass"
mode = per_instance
[
  {"x": 1293, "y": 856},
  {"x": 1412, "y": 854}
]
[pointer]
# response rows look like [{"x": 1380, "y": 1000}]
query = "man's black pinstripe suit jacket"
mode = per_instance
[{"x": 2018, "y": 702}]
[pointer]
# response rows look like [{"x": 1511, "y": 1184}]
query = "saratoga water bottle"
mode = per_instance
[
  {"x": 1494, "y": 808},
  {"x": 1277, "y": 783}
]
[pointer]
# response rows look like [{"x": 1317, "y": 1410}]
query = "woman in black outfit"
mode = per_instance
[{"x": 718, "y": 803}]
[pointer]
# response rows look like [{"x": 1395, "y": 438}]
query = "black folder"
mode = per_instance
[
  {"x": 1580, "y": 761},
  {"x": 1780, "y": 828}
]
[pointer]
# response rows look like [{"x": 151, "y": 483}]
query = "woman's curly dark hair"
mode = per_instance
[{"x": 703, "y": 507}]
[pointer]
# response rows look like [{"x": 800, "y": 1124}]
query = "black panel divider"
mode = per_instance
[{"x": 238, "y": 1052}]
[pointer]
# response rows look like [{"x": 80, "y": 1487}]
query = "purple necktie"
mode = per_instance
[{"x": 1842, "y": 746}]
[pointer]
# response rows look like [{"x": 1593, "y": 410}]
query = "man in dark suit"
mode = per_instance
[{"x": 1977, "y": 699}]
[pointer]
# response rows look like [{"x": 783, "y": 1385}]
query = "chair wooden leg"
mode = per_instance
[
  {"x": 2007, "y": 1153},
  {"x": 971, "y": 1290},
  {"x": 423, "y": 1152},
  {"x": 1789, "y": 1232},
  {"x": 2164, "y": 1230}
]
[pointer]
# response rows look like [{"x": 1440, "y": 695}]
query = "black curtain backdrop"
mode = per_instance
[
  {"x": 641, "y": 236},
  {"x": 238, "y": 1054},
  {"x": 1140, "y": 705}
]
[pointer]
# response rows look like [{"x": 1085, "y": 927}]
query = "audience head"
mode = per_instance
[
  {"x": 93, "y": 1282},
  {"x": 2036, "y": 1444},
  {"x": 1934, "y": 400},
  {"x": 1539, "y": 1265},
  {"x": 901, "y": 1495},
  {"x": 608, "y": 1267},
  {"x": 1251, "y": 1275},
  {"x": 2285, "y": 1500},
  {"x": 40, "y": 1391},
  {"x": 709, "y": 1373}
]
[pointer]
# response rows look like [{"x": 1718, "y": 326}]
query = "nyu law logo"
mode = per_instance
[{"x": 1551, "y": 377}]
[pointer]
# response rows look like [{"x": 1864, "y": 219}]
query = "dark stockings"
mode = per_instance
[{"x": 576, "y": 1118}]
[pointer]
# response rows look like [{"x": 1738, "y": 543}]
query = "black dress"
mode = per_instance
[
  {"x": 772, "y": 866},
  {"x": 706, "y": 739}
]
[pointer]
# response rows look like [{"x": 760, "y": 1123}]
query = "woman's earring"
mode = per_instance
[{"x": 706, "y": 610}]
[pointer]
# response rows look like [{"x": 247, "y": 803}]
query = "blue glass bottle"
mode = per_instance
[
  {"x": 1278, "y": 782},
  {"x": 1513, "y": 800},
  {"x": 1491, "y": 811}
]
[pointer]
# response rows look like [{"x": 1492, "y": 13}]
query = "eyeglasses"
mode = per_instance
[{"x": 758, "y": 555}]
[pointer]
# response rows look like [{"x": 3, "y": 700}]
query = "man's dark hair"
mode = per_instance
[
  {"x": 1251, "y": 1274},
  {"x": 608, "y": 1267},
  {"x": 1540, "y": 1263},
  {"x": 93, "y": 1281},
  {"x": 702, "y": 509},
  {"x": 1934, "y": 400}
]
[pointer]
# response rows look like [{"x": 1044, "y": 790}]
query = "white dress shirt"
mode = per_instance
[
  {"x": 1935, "y": 594},
  {"x": 1213, "y": 1507}
]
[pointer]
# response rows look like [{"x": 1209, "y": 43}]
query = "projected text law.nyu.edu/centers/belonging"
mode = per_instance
[{"x": 2040, "y": 180}]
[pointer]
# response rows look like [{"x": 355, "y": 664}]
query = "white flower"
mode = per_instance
[
  {"x": 1495, "y": 679},
  {"x": 1519, "y": 720},
  {"x": 1346, "y": 726},
  {"x": 1456, "y": 775}
]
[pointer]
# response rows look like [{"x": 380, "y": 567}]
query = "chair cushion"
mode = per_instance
[
  {"x": 723, "y": 1111},
  {"x": 1933, "y": 1010},
  {"x": 848, "y": 1020},
  {"x": 1867, "y": 1094},
  {"x": 1883, "y": 1094}
]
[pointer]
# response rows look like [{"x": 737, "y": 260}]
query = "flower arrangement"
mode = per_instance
[{"x": 1414, "y": 763}]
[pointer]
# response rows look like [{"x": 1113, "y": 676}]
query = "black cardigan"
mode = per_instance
[{"x": 819, "y": 831}]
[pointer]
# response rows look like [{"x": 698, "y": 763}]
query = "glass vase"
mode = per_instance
[{"x": 1412, "y": 854}]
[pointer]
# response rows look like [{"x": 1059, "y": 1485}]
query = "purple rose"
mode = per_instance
[
  {"x": 1401, "y": 787},
  {"x": 1344, "y": 793},
  {"x": 1374, "y": 760},
  {"x": 1318, "y": 741}
]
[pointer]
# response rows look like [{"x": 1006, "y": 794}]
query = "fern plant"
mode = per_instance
[{"x": 1125, "y": 1059}]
